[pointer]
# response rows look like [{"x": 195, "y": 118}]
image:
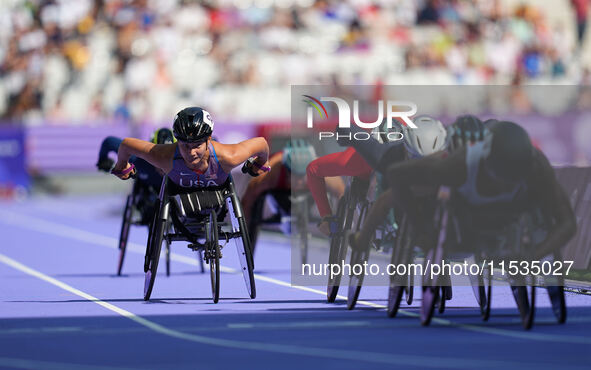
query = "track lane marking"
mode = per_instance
[
  {"x": 373, "y": 357},
  {"x": 37, "y": 224}
]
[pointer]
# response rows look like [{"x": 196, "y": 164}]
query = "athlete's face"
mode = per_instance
[{"x": 194, "y": 153}]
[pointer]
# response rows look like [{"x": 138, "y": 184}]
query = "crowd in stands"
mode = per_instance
[{"x": 79, "y": 61}]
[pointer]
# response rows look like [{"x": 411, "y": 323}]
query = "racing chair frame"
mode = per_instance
[{"x": 197, "y": 216}]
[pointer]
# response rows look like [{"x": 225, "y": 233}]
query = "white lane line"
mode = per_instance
[
  {"x": 37, "y": 224},
  {"x": 373, "y": 357}
]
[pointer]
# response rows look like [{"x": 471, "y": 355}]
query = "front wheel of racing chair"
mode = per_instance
[
  {"x": 556, "y": 294},
  {"x": 359, "y": 189},
  {"x": 338, "y": 246},
  {"x": 402, "y": 253},
  {"x": 212, "y": 254},
  {"x": 124, "y": 234},
  {"x": 155, "y": 238},
  {"x": 524, "y": 292},
  {"x": 243, "y": 243},
  {"x": 432, "y": 291},
  {"x": 482, "y": 288},
  {"x": 358, "y": 257}
]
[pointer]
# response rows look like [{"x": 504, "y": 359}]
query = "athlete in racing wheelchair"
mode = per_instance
[
  {"x": 395, "y": 232},
  {"x": 141, "y": 202},
  {"x": 284, "y": 190},
  {"x": 197, "y": 191},
  {"x": 493, "y": 194}
]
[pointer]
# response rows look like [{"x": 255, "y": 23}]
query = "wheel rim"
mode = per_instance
[
  {"x": 212, "y": 243},
  {"x": 124, "y": 233}
]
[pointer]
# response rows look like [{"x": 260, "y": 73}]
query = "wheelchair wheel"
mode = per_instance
[
  {"x": 430, "y": 292},
  {"x": 153, "y": 250},
  {"x": 356, "y": 280},
  {"x": 242, "y": 243},
  {"x": 357, "y": 259},
  {"x": 400, "y": 255},
  {"x": 524, "y": 292},
  {"x": 168, "y": 227},
  {"x": 555, "y": 288},
  {"x": 410, "y": 289},
  {"x": 302, "y": 230},
  {"x": 480, "y": 293},
  {"x": 212, "y": 254},
  {"x": 445, "y": 292},
  {"x": 338, "y": 247},
  {"x": 556, "y": 295},
  {"x": 482, "y": 288},
  {"x": 125, "y": 225},
  {"x": 431, "y": 288}
]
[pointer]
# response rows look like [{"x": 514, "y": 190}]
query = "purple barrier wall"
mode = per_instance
[
  {"x": 13, "y": 174},
  {"x": 75, "y": 148},
  {"x": 67, "y": 148}
]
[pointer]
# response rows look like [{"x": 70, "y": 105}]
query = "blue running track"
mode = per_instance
[{"x": 63, "y": 307}]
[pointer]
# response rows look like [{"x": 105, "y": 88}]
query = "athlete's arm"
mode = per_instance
[
  {"x": 158, "y": 155},
  {"x": 233, "y": 155},
  {"x": 433, "y": 170},
  {"x": 549, "y": 194}
]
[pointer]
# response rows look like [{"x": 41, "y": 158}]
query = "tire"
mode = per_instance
[
  {"x": 213, "y": 254},
  {"x": 558, "y": 301},
  {"x": 168, "y": 225},
  {"x": 355, "y": 281},
  {"x": 338, "y": 247},
  {"x": 153, "y": 254},
  {"x": 397, "y": 286},
  {"x": 246, "y": 258},
  {"x": 430, "y": 298},
  {"x": 431, "y": 289},
  {"x": 303, "y": 233},
  {"x": 410, "y": 289},
  {"x": 243, "y": 243},
  {"x": 525, "y": 297},
  {"x": 357, "y": 258},
  {"x": 556, "y": 295},
  {"x": 124, "y": 234}
]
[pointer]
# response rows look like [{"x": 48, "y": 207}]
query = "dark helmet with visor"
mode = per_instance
[{"x": 192, "y": 125}]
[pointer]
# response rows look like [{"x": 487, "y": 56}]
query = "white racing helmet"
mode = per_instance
[{"x": 429, "y": 137}]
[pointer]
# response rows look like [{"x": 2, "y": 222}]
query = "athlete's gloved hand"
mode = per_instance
[
  {"x": 253, "y": 168},
  {"x": 124, "y": 171}
]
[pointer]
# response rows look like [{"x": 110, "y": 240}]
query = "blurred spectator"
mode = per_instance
[
  {"x": 581, "y": 8},
  {"x": 138, "y": 60}
]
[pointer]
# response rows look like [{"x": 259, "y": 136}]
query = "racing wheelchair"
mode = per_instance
[
  {"x": 140, "y": 206},
  {"x": 289, "y": 210},
  {"x": 198, "y": 217},
  {"x": 516, "y": 237},
  {"x": 351, "y": 210}
]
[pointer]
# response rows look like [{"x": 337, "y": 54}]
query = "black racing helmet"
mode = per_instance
[
  {"x": 192, "y": 124},
  {"x": 512, "y": 153},
  {"x": 466, "y": 129},
  {"x": 163, "y": 135}
]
